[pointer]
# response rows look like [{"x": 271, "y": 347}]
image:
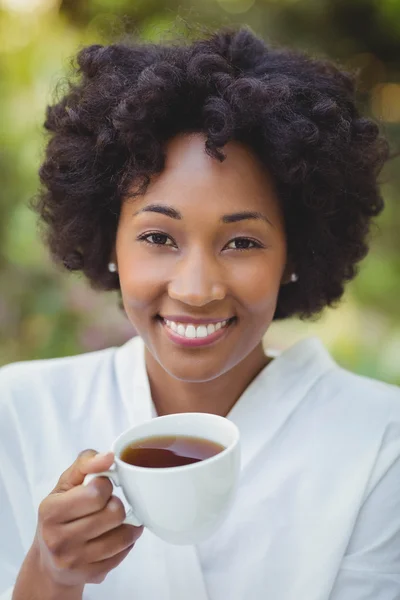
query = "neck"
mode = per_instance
[{"x": 217, "y": 396}]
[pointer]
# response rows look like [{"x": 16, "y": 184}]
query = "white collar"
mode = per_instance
[
  {"x": 133, "y": 382},
  {"x": 274, "y": 394},
  {"x": 286, "y": 379}
]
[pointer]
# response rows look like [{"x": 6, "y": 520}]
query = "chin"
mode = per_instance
[
  {"x": 202, "y": 364},
  {"x": 194, "y": 370}
]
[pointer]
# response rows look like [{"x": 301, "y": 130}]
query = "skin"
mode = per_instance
[
  {"x": 197, "y": 271},
  {"x": 80, "y": 536},
  {"x": 201, "y": 267}
]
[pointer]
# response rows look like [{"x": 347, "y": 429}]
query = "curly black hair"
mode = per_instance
[{"x": 297, "y": 113}]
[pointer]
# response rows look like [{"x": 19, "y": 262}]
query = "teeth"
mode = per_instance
[
  {"x": 190, "y": 331},
  {"x": 181, "y": 329},
  {"x": 201, "y": 331},
  {"x": 195, "y": 331}
]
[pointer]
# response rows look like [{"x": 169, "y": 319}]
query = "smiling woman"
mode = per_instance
[{"x": 218, "y": 185}]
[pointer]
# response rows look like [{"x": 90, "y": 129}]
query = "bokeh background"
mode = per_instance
[{"x": 47, "y": 313}]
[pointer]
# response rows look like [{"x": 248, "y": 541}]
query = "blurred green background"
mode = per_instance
[{"x": 47, "y": 313}]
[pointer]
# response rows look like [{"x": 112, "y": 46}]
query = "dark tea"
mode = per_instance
[{"x": 169, "y": 451}]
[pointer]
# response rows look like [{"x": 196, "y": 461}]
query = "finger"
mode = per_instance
[
  {"x": 94, "y": 525},
  {"x": 76, "y": 503},
  {"x": 88, "y": 461},
  {"x": 111, "y": 543},
  {"x": 97, "y": 572},
  {"x": 68, "y": 478}
]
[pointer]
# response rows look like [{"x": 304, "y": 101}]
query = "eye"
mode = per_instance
[
  {"x": 241, "y": 243},
  {"x": 157, "y": 239}
]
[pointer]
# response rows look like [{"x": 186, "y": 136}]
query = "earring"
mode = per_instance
[
  {"x": 294, "y": 277},
  {"x": 112, "y": 267}
]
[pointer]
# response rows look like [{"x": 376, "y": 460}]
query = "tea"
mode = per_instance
[{"x": 169, "y": 451}]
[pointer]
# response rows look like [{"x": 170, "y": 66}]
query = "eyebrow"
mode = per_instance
[
  {"x": 244, "y": 215},
  {"x": 161, "y": 209},
  {"x": 168, "y": 211}
]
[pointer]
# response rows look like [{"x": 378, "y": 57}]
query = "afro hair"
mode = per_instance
[{"x": 297, "y": 113}]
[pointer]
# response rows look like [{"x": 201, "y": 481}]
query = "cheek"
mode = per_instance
[
  {"x": 142, "y": 281},
  {"x": 258, "y": 282}
]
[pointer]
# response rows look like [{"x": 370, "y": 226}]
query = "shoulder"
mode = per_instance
[
  {"x": 361, "y": 392},
  {"x": 351, "y": 418},
  {"x": 359, "y": 412},
  {"x": 61, "y": 378},
  {"x": 21, "y": 375},
  {"x": 338, "y": 399},
  {"x": 311, "y": 368}
]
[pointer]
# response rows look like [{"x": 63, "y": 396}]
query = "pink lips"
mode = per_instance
[
  {"x": 193, "y": 320},
  {"x": 195, "y": 342}
]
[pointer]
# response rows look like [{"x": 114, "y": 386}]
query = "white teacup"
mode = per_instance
[{"x": 184, "y": 504}]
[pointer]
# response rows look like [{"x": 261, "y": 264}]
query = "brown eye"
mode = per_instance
[
  {"x": 157, "y": 239},
  {"x": 242, "y": 244}
]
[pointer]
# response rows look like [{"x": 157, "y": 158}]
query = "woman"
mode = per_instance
[{"x": 219, "y": 185}]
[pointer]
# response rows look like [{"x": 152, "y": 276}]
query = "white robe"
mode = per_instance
[{"x": 317, "y": 514}]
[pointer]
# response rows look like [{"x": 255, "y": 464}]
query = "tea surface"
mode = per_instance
[{"x": 169, "y": 451}]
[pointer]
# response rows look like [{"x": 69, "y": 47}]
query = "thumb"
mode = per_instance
[{"x": 88, "y": 461}]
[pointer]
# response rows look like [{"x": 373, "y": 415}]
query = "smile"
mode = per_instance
[
  {"x": 192, "y": 331},
  {"x": 193, "y": 334}
]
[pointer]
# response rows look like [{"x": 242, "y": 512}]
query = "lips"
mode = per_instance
[
  {"x": 191, "y": 333},
  {"x": 195, "y": 320},
  {"x": 192, "y": 330}
]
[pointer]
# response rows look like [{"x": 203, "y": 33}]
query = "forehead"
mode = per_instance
[{"x": 195, "y": 181}]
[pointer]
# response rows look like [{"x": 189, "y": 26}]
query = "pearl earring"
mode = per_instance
[
  {"x": 294, "y": 277},
  {"x": 112, "y": 267}
]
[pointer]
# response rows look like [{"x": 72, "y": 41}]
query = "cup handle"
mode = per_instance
[{"x": 112, "y": 475}]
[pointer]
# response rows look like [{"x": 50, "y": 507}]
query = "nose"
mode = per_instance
[{"x": 197, "y": 280}]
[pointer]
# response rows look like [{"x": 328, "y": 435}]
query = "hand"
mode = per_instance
[{"x": 80, "y": 536}]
